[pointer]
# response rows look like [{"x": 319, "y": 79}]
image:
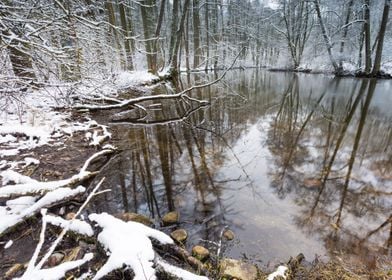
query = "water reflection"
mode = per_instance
[{"x": 292, "y": 163}]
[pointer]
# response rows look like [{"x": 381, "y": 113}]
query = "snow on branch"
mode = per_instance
[
  {"x": 35, "y": 271},
  {"x": 57, "y": 272},
  {"x": 40, "y": 187},
  {"x": 75, "y": 225},
  {"x": 12, "y": 219},
  {"x": 30, "y": 186}
]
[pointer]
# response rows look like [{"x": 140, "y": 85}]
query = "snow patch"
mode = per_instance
[
  {"x": 280, "y": 271},
  {"x": 183, "y": 274},
  {"x": 127, "y": 243},
  {"x": 8, "y": 244},
  {"x": 31, "y": 161},
  {"x": 10, "y": 220},
  {"x": 129, "y": 79},
  {"x": 15, "y": 206},
  {"x": 38, "y": 187},
  {"x": 13, "y": 176},
  {"x": 57, "y": 272},
  {"x": 75, "y": 225}
]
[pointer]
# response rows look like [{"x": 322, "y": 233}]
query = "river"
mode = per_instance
[{"x": 291, "y": 163}]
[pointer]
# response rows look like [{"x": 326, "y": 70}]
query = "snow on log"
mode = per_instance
[
  {"x": 57, "y": 272},
  {"x": 74, "y": 225},
  {"x": 9, "y": 220},
  {"x": 36, "y": 187},
  {"x": 25, "y": 185}
]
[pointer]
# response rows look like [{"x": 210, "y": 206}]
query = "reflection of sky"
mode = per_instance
[
  {"x": 382, "y": 99},
  {"x": 266, "y": 221},
  {"x": 272, "y": 4}
]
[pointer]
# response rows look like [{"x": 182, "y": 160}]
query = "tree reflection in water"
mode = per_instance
[{"x": 310, "y": 155}]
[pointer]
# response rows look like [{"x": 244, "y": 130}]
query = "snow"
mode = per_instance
[
  {"x": 129, "y": 79},
  {"x": 9, "y": 153},
  {"x": 272, "y": 4},
  {"x": 60, "y": 194},
  {"x": 74, "y": 225},
  {"x": 181, "y": 273},
  {"x": 8, "y": 244},
  {"x": 15, "y": 177},
  {"x": 7, "y": 138},
  {"x": 57, "y": 272},
  {"x": 28, "y": 130},
  {"x": 99, "y": 139},
  {"x": 127, "y": 244},
  {"x": 280, "y": 271},
  {"x": 31, "y": 161},
  {"x": 38, "y": 187},
  {"x": 17, "y": 205}
]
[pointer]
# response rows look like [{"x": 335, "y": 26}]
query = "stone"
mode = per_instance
[
  {"x": 200, "y": 253},
  {"x": 171, "y": 218},
  {"x": 228, "y": 234},
  {"x": 14, "y": 270},
  {"x": 70, "y": 215},
  {"x": 74, "y": 254},
  {"x": 179, "y": 235},
  {"x": 55, "y": 259},
  {"x": 134, "y": 217},
  {"x": 312, "y": 182},
  {"x": 231, "y": 268}
]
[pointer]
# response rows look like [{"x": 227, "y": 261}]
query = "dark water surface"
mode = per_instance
[{"x": 291, "y": 163}]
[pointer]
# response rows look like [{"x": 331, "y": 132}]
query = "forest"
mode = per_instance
[
  {"x": 195, "y": 139},
  {"x": 47, "y": 41}
]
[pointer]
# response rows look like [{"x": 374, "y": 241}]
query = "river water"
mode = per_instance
[{"x": 291, "y": 163}]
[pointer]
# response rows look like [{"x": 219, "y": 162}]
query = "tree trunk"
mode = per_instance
[
  {"x": 173, "y": 66},
  {"x": 112, "y": 21},
  {"x": 158, "y": 32},
  {"x": 196, "y": 34},
  {"x": 207, "y": 27},
  {"x": 147, "y": 12},
  {"x": 381, "y": 35},
  {"x": 345, "y": 32},
  {"x": 126, "y": 33},
  {"x": 22, "y": 64},
  {"x": 174, "y": 27},
  {"x": 326, "y": 38},
  {"x": 368, "y": 52}
]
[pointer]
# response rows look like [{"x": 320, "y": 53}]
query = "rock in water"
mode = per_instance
[
  {"x": 228, "y": 234},
  {"x": 70, "y": 215},
  {"x": 134, "y": 217},
  {"x": 200, "y": 252},
  {"x": 237, "y": 269},
  {"x": 55, "y": 259},
  {"x": 179, "y": 235},
  {"x": 171, "y": 218}
]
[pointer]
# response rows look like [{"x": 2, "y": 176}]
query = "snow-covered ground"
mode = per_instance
[{"x": 29, "y": 120}]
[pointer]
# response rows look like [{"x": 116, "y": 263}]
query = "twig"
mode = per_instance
[{"x": 33, "y": 260}]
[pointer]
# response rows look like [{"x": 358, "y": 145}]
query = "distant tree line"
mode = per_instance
[{"x": 70, "y": 40}]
